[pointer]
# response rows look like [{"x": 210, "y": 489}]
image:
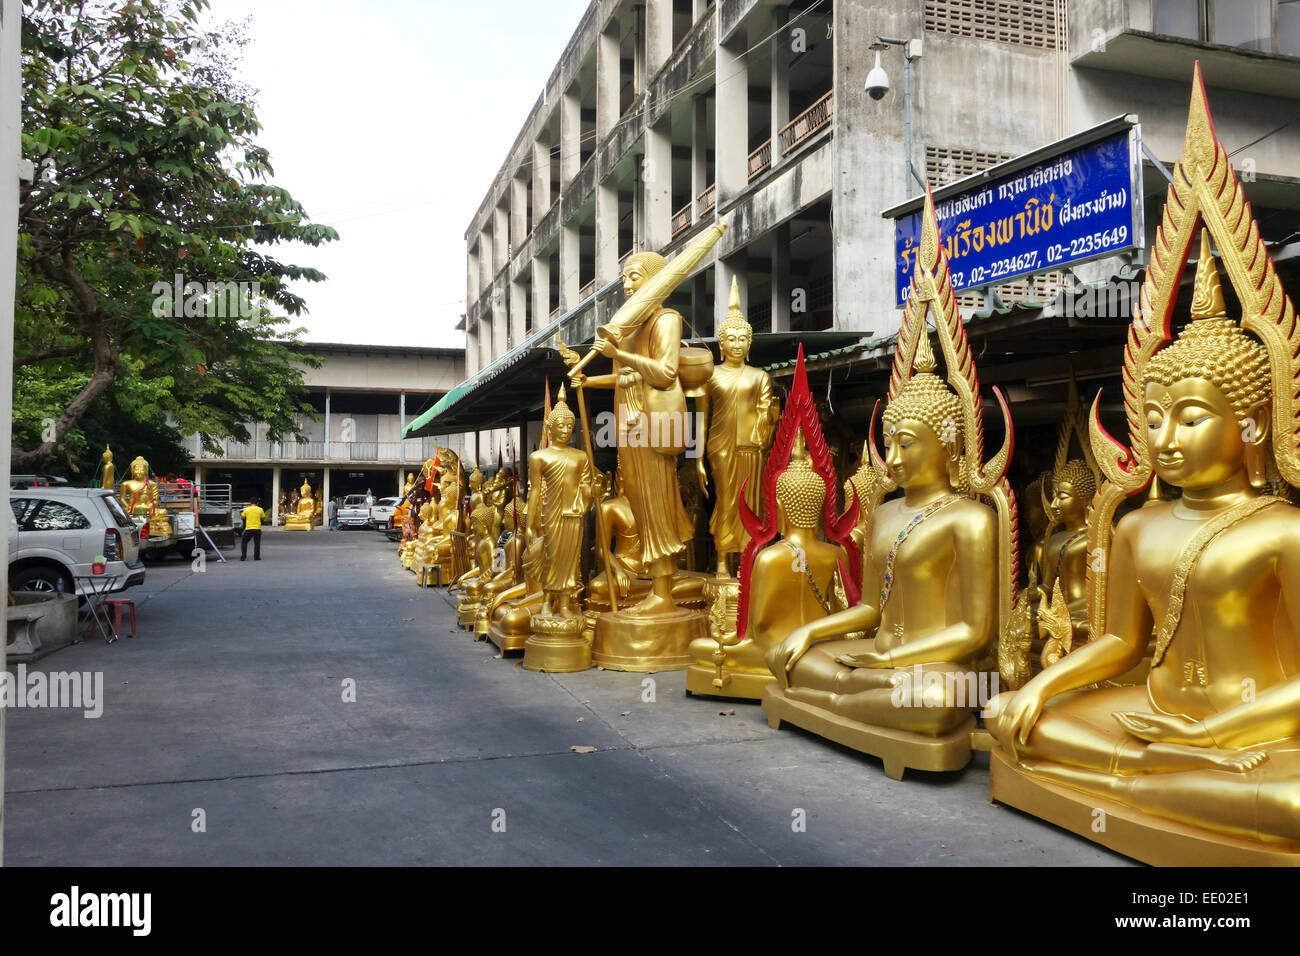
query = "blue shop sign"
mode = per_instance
[{"x": 1067, "y": 208}]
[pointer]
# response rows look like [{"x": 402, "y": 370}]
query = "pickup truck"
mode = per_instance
[
  {"x": 178, "y": 500},
  {"x": 354, "y": 512}
]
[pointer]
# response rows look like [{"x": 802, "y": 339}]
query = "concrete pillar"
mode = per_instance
[
  {"x": 570, "y": 254},
  {"x": 658, "y": 34},
  {"x": 607, "y": 250},
  {"x": 401, "y": 480},
  {"x": 541, "y": 179},
  {"x": 640, "y": 76},
  {"x": 700, "y": 143},
  {"x": 731, "y": 122},
  {"x": 325, "y": 495},
  {"x": 518, "y": 213},
  {"x": 780, "y": 85},
  {"x": 570, "y": 135},
  {"x": 500, "y": 239},
  {"x": 471, "y": 351},
  {"x": 607, "y": 79},
  {"x": 782, "y": 288},
  {"x": 275, "y": 496},
  {"x": 541, "y": 292},
  {"x": 472, "y": 271},
  {"x": 657, "y": 186},
  {"x": 698, "y": 9},
  {"x": 326, "y": 452},
  {"x": 485, "y": 254},
  {"x": 518, "y": 313},
  {"x": 726, "y": 268},
  {"x": 500, "y": 320}
]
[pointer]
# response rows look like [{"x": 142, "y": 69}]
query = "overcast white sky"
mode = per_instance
[{"x": 387, "y": 120}]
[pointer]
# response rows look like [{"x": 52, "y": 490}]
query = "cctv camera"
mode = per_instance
[{"x": 877, "y": 80}]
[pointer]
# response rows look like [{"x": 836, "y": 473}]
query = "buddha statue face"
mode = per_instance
[
  {"x": 734, "y": 342},
  {"x": 139, "y": 469},
  {"x": 638, "y": 268},
  {"x": 559, "y": 425},
  {"x": 914, "y": 454},
  {"x": 1073, "y": 487},
  {"x": 1194, "y": 435}
]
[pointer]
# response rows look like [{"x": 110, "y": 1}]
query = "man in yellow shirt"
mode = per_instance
[{"x": 253, "y": 517}]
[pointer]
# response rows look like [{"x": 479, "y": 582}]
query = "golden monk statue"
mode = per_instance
[
  {"x": 139, "y": 496},
  {"x": 1202, "y": 763},
  {"x": 109, "y": 478},
  {"x": 625, "y": 554},
  {"x": 559, "y": 493},
  {"x": 739, "y": 399},
  {"x": 644, "y": 340},
  {"x": 304, "y": 510},
  {"x": 937, "y": 574}
]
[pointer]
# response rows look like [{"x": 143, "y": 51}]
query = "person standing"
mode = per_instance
[
  {"x": 334, "y": 514},
  {"x": 253, "y": 517}
]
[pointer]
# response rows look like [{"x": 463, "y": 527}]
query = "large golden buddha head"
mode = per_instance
[
  {"x": 1073, "y": 485},
  {"x": 560, "y": 423},
  {"x": 639, "y": 267},
  {"x": 1207, "y": 396},
  {"x": 800, "y": 490},
  {"x": 139, "y": 468},
  {"x": 923, "y": 426}
]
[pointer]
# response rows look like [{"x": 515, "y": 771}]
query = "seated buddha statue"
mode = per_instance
[
  {"x": 423, "y": 559},
  {"x": 507, "y": 565},
  {"x": 139, "y": 496},
  {"x": 511, "y": 616},
  {"x": 450, "y": 545},
  {"x": 1203, "y": 758},
  {"x": 301, "y": 519},
  {"x": 484, "y": 530},
  {"x": 1063, "y": 564},
  {"x": 787, "y": 584},
  {"x": 937, "y": 570}
]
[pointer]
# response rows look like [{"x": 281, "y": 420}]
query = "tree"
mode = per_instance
[{"x": 148, "y": 173}]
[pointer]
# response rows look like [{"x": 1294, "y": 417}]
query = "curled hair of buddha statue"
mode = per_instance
[
  {"x": 561, "y": 411},
  {"x": 1079, "y": 476},
  {"x": 800, "y": 491},
  {"x": 648, "y": 262}
]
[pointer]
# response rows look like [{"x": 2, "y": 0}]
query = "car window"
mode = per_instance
[
  {"x": 20, "y": 507},
  {"x": 119, "y": 513},
  {"x": 57, "y": 516}
]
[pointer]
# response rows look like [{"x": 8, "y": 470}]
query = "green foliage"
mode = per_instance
[{"x": 148, "y": 166}]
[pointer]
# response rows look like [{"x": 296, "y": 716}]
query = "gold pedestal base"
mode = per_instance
[
  {"x": 557, "y": 645},
  {"x": 899, "y": 750},
  {"x": 292, "y": 525},
  {"x": 428, "y": 576},
  {"x": 1125, "y": 830},
  {"x": 739, "y": 684},
  {"x": 467, "y": 610},
  {"x": 643, "y": 644},
  {"x": 505, "y": 641}
]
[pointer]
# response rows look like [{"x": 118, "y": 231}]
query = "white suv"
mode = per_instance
[{"x": 55, "y": 533}]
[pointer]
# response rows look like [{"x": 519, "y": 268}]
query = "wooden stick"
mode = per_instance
[{"x": 601, "y": 531}]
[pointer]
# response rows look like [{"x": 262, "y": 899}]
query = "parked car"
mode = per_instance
[
  {"x": 354, "y": 512},
  {"x": 56, "y": 532},
  {"x": 381, "y": 513}
]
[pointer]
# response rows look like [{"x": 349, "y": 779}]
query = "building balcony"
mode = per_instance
[
  {"x": 681, "y": 220},
  {"x": 706, "y": 200},
  {"x": 360, "y": 452},
  {"x": 760, "y": 160},
  {"x": 804, "y": 126}
]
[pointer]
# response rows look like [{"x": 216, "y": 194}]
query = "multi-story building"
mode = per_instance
[
  {"x": 664, "y": 115},
  {"x": 364, "y": 395}
]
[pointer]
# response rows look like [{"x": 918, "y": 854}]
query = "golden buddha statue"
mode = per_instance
[
  {"x": 507, "y": 565},
  {"x": 938, "y": 571},
  {"x": 643, "y": 340},
  {"x": 739, "y": 398},
  {"x": 484, "y": 530},
  {"x": 863, "y": 486},
  {"x": 625, "y": 554},
  {"x": 407, "y": 513},
  {"x": 304, "y": 510},
  {"x": 560, "y": 491},
  {"x": 1201, "y": 764},
  {"x": 139, "y": 496},
  {"x": 108, "y": 478},
  {"x": 806, "y": 572},
  {"x": 511, "y": 613}
]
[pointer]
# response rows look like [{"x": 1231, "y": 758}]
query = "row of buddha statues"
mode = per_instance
[
  {"x": 1121, "y": 635},
  {"x": 301, "y": 509}
]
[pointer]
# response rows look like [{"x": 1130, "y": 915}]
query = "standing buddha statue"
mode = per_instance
[
  {"x": 938, "y": 572},
  {"x": 108, "y": 477},
  {"x": 1201, "y": 762},
  {"x": 739, "y": 399}
]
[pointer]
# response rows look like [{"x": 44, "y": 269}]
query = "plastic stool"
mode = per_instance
[{"x": 117, "y": 604}]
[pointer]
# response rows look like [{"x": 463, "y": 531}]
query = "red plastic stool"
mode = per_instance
[{"x": 117, "y": 604}]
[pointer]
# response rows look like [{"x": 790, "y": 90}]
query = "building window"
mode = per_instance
[
  {"x": 947, "y": 164},
  {"x": 1268, "y": 26},
  {"x": 1031, "y": 23}
]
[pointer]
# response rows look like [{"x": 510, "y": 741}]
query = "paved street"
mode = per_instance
[{"x": 231, "y": 702}]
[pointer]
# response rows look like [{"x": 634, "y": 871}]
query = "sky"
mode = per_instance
[{"x": 388, "y": 121}]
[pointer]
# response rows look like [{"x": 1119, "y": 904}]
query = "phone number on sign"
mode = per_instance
[
  {"x": 1087, "y": 245},
  {"x": 1025, "y": 262}
]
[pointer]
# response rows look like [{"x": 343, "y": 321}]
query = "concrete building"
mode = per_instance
[
  {"x": 365, "y": 395},
  {"x": 664, "y": 115}
]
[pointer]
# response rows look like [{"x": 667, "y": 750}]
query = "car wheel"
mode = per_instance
[{"x": 42, "y": 579}]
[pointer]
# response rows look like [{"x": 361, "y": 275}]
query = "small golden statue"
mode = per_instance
[
  {"x": 559, "y": 493},
  {"x": 139, "y": 496},
  {"x": 304, "y": 510},
  {"x": 109, "y": 475},
  {"x": 739, "y": 399},
  {"x": 484, "y": 530},
  {"x": 938, "y": 578},
  {"x": 787, "y": 583},
  {"x": 644, "y": 341},
  {"x": 1200, "y": 764}
]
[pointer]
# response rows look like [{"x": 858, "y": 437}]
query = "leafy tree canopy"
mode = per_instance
[{"x": 148, "y": 171}]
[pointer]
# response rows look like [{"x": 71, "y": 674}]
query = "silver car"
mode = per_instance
[
  {"x": 382, "y": 512},
  {"x": 55, "y": 533}
]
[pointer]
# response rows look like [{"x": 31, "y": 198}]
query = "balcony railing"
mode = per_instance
[
  {"x": 587, "y": 290},
  {"x": 555, "y": 313},
  {"x": 681, "y": 220},
  {"x": 800, "y": 129},
  {"x": 412, "y": 449},
  {"x": 705, "y": 200},
  {"x": 760, "y": 160}
]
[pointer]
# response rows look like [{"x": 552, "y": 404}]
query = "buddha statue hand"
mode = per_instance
[
  {"x": 782, "y": 658},
  {"x": 1166, "y": 729},
  {"x": 1022, "y": 712},
  {"x": 869, "y": 659}
]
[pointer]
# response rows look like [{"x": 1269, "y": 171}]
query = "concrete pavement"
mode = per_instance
[{"x": 230, "y": 710}]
